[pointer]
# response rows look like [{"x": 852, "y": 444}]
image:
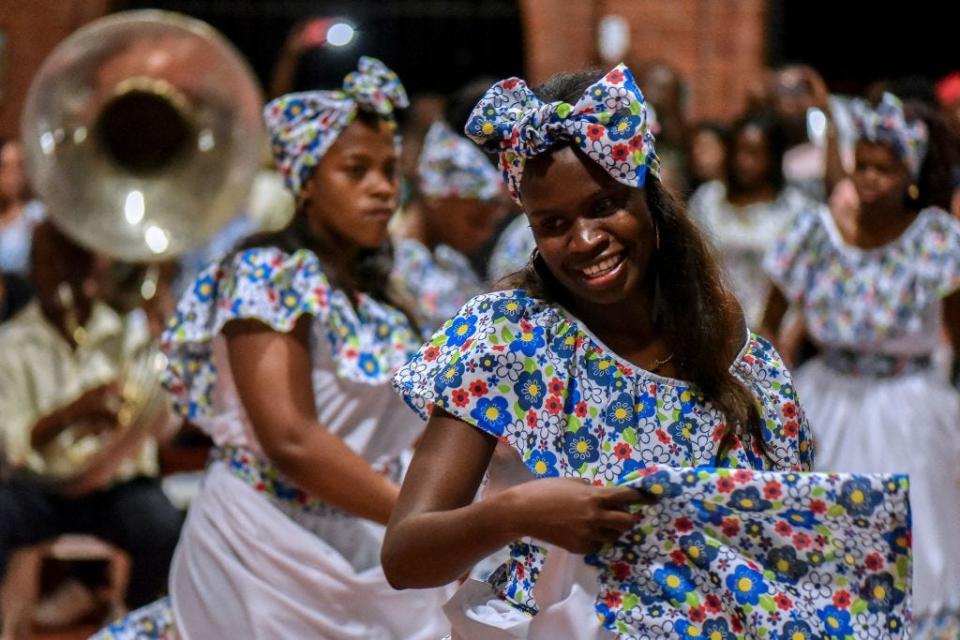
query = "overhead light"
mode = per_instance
[
  {"x": 157, "y": 239},
  {"x": 134, "y": 207},
  {"x": 340, "y": 34}
]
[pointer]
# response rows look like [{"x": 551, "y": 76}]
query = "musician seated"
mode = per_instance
[{"x": 76, "y": 469}]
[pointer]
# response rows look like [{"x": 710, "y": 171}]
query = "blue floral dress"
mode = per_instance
[
  {"x": 259, "y": 556},
  {"x": 729, "y": 550},
  {"x": 437, "y": 282},
  {"x": 742, "y": 236},
  {"x": 513, "y": 249},
  {"x": 875, "y": 400}
]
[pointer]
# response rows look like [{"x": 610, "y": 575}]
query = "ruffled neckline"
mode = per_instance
[
  {"x": 530, "y": 373},
  {"x": 368, "y": 341},
  {"x": 839, "y": 243}
]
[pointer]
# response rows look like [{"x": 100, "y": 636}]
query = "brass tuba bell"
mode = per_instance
[{"x": 142, "y": 134}]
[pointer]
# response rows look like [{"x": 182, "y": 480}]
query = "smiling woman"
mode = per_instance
[{"x": 618, "y": 353}]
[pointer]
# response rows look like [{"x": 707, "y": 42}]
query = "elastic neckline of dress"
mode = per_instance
[
  {"x": 656, "y": 377},
  {"x": 833, "y": 231}
]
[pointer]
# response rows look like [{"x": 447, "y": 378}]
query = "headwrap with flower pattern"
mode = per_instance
[
  {"x": 451, "y": 167},
  {"x": 304, "y": 125},
  {"x": 609, "y": 123},
  {"x": 886, "y": 123}
]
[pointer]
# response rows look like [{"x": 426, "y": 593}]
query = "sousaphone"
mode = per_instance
[{"x": 142, "y": 135}]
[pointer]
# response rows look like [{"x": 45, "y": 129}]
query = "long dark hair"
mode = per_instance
[{"x": 695, "y": 313}]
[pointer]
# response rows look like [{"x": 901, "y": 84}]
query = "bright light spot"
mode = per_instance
[
  {"x": 148, "y": 289},
  {"x": 613, "y": 38},
  {"x": 134, "y": 207},
  {"x": 156, "y": 239},
  {"x": 817, "y": 123},
  {"x": 79, "y": 135},
  {"x": 158, "y": 59},
  {"x": 47, "y": 143},
  {"x": 340, "y": 34},
  {"x": 205, "y": 140}
]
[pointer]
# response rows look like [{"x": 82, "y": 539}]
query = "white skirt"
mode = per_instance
[
  {"x": 907, "y": 424},
  {"x": 243, "y": 569},
  {"x": 565, "y": 592}
]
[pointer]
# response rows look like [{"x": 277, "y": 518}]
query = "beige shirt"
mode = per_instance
[{"x": 40, "y": 372}]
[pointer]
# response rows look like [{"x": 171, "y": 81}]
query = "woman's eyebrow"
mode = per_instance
[{"x": 585, "y": 199}]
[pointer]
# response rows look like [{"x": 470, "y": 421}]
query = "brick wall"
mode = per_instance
[
  {"x": 33, "y": 28},
  {"x": 719, "y": 46}
]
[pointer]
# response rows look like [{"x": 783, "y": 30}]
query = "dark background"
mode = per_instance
[
  {"x": 435, "y": 46},
  {"x": 853, "y": 43}
]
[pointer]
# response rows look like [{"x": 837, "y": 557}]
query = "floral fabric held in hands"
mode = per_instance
[{"x": 736, "y": 553}]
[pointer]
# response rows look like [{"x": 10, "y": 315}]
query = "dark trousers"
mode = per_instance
[{"x": 135, "y": 516}]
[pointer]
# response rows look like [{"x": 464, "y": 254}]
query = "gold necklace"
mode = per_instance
[{"x": 657, "y": 364}]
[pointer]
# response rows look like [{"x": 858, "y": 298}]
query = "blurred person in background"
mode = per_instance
[
  {"x": 875, "y": 286},
  {"x": 664, "y": 89},
  {"x": 459, "y": 204},
  {"x": 19, "y": 212},
  {"x": 939, "y": 179},
  {"x": 818, "y": 129},
  {"x": 745, "y": 212},
  {"x": 513, "y": 250},
  {"x": 456, "y": 112},
  {"x": 60, "y": 359},
  {"x": 707, "y": 153}
]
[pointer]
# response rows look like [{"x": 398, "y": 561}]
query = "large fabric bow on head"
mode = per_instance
[
  {"x": 451, "y": 167},
  {"x": 735, "y": 553},
  {"x": 609, "y": 123},
  {"x": 886, "y": 123},
  {"x": 304, "y": 125}
]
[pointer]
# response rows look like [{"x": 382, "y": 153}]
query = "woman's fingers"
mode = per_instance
[
  {"x": 625, "y": 497},
  {"x": 617, "y": 520}
]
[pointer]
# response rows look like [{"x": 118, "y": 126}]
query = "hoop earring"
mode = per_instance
[
  {"x": 913, "y": 191},
  {"x": 532, "y": 262},
  {"x": 537, "y": 263}
]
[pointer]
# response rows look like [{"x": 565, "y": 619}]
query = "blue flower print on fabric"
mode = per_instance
[
  {"x": 610, "y": 123},
  {"x": 905, "y": 281},
  {"x": 369, "y": 341},
  {"x": 560, "y": 384}
]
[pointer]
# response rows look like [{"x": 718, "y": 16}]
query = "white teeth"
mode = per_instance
[{"x": 601, "y": 267}]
